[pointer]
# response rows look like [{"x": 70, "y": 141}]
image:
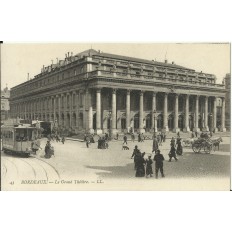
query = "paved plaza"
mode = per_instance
[{"x": 114, "y": 166}]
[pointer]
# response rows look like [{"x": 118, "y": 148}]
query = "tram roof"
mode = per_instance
[{"x": 24, "y": 126}]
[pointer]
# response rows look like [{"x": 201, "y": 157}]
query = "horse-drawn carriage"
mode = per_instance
[{"x": 206, "y": 144}]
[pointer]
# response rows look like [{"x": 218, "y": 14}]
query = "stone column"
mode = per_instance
[
  {"x": 206, "y": 127},
  {"x": 196, "y": 129},
  {"x": 59, "y": 110},
  {"x": 223, "y": 129},
  {"x": 165, "y": 118},
  {"x": 141, "y": 129},
  {"x": 128, "y": 110},
  {"x": 54, "y": 108},
  {"x": 153, "y": 118},
  {"x": 77, "y": 109},
  {"x": 98, "y": 109},
  {"x": 65, "y": 109},
  {"x": 176, "y": 128},
  {"x": 90, "y": 115},
  {"x": 186, "y": 129},
  {"x": 70, "y": 109},
  {"x": 215, "y": 114},
  {"x": 114, "y": 112}
]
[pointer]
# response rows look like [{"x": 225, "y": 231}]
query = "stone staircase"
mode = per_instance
[{"x": 148, "y": 135}]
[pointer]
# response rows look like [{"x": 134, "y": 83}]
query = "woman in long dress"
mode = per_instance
[
  {"x": 140, "y": 170},
  {"x": 149, "y": 170}
]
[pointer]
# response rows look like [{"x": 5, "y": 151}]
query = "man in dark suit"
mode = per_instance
[{"x": 159, "y": 158}]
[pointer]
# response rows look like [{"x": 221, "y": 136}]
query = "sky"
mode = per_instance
[{"x": 18, "y": 59}]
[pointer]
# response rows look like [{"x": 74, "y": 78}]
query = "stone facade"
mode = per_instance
[
  {"x": 101, "y": 92},
  {"x": 5, "y": 106},
  {"x": 227, "y": 100}
]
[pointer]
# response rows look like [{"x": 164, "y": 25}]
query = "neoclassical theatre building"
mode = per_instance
[{"x": 98, "y": 92}]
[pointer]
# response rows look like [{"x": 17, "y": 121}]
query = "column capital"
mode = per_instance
[
  {"x": 128, "y": 91},
  {"x": 141, "y": 92},
  {"x": 154, "y": 93},
  {"x": 177, "y": 95},
  {"x": 98, "y": 90},
  {"x": 166, "y": 93},
  {"x": 114, "y": 90}
]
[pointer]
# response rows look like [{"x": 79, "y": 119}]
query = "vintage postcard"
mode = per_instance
[{"x": 115, "y": 116}]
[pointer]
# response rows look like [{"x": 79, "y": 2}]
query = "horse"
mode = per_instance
[
  {"x": 188, "y": 142},
  {"x": 216, "y": 142}
]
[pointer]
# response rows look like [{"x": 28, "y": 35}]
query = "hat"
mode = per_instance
[
  {"x": 149, "y": 155},
  {"x": 158, "y": 150}
]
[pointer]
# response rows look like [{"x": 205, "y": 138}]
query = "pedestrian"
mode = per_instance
[
  {"x": 49, "y": 150},
  {"x": 179, "y": 149},
  {"x": 87, "y": 142},
  {"x": 63, "y": 139},
  {"x": 159, "y": 158},
  {"x": 164, "y": 137},
  {"x": 192, "y": 134},
  {"x": 85, "y": 137},
  {"x": 117, "y": 136},
  {"x": 92, "y": 139},
  {"x": 172, "y": 154},
  {"x": 140, "y": 170},
  {"x": 155, "y": 145},
  {"x": 149, "y": 163},
  {"x": 136, "y": 154},
  {"x": 160, "y": 139},
  {"x": 196, "y": 134},
  {"x": 124, "y": 139},
  {"x": 106, "y": 136},
  {"x": 132, "y": 137},
  {"x": 142, "y": 138},
  {"x": 139, "y": 137},
  {"x": 172, "y": 142}
]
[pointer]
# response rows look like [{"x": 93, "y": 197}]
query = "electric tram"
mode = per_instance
[{"x": 18, "y": 139}]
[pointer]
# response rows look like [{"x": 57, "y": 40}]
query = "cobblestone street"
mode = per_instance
[{"x": 73, "y": 161}]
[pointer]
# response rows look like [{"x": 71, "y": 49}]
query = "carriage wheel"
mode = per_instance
[
  {"x": 196, "y": 148},
  {"x": 207, "y": 148}
]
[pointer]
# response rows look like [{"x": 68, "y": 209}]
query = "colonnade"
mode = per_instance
[{"x": 75, "y": 110}]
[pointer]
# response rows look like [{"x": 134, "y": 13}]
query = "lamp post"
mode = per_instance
[
  {"x": 109, "y": 117},
  {"x": 155, "y": 128},
  {"x": 211, "y": 123}
]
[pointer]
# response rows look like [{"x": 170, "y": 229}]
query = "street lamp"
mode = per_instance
[
  {"x": 211, "y": 123},
  {"x": 155, "y": 129},
  {"x": 109, "y": 117}
]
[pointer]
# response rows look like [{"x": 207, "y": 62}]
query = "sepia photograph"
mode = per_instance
[{"x": 115, "y": 116}]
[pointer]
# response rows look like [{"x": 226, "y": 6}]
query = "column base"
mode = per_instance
[
  {"x": 91, "y": 131},
  {"x": 186, "y": 129},
  {"x": 215, "y": 129},
  {"x": 141, "y": 130},
  {"x": 205, "y": 129},
  {"x": 165, "y": 129},
  {"x": 196, "y": 130},
  {"x": 223, "y": 129},
  {"x": 98, "y": 131},
  {"x": 175, "y": 130},
  {"x": 114, "y": 131}
]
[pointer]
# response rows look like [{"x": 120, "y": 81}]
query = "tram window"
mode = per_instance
[
  {"x": 21, "y": 135},
  {"x": 29, "y": 135}
]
